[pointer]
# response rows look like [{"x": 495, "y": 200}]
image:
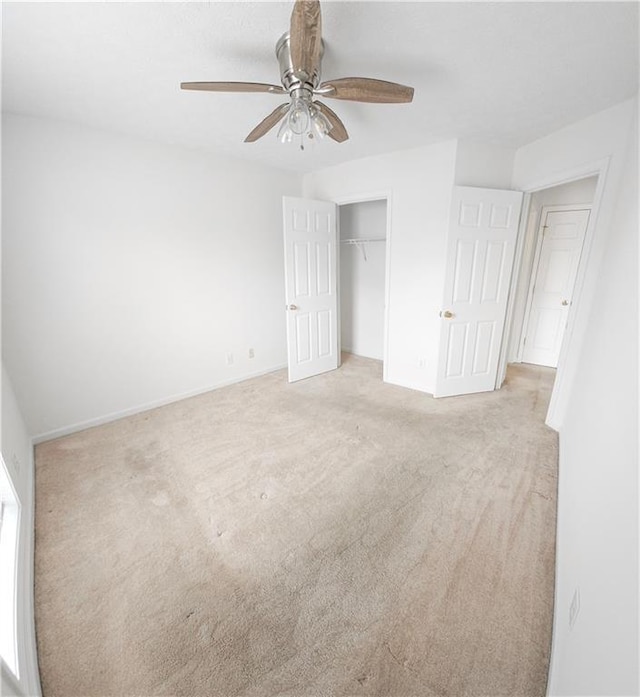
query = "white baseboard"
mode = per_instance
[
  {"x": 30, "y": 673},
  {"x": 114, "y": 416}
]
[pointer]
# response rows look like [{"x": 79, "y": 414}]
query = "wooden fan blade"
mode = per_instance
[
  {"x": 338, "y": 132},
  {"x": 232, "y": 87},
  {"x": 305, "y": 38},
  {"x": 267, "y": 123},
  {"x": 366, "y": 89}
]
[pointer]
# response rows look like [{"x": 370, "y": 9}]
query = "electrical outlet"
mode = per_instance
[
  {"x": 229, "y": 359},
  {"x": 574, "y": 608},
  {"x": 252, "y": 353}
]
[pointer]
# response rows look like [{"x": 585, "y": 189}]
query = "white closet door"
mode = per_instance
[
  {"x": 310, "y": 240},
  {"x": 480, "y": 249}
]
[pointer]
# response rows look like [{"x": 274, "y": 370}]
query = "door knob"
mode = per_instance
[
  {"x": 292, "y": 307},
  {"x": 565, "y": 302},
  {"x": 447, "y": 314}
]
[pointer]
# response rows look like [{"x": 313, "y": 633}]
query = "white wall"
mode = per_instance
[
  {"x": 598, "y": 486},
  {"x": 597, "y": 143},
  {"x": 362, "y": 281},
  {"x": 131, "y": 270},
  {"x": 483, "y": 165},
  {"x": 17, "y": 452},
  {"x": 596, "y": 398},
  {"x": 83, "y": 208},
  {"x": 578, "y": 192},
  {"x": 418, "y": 183}
]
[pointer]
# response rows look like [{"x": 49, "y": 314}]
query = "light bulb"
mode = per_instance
[
  {"x": 298, "y": 116},
  {"x": 303, "y": 118},
  {"x": 320, "y": 124},
  {"x": 285, "y": 134}
]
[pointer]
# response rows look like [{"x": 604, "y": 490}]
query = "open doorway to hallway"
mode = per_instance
[{"x": 552, "y": 256}]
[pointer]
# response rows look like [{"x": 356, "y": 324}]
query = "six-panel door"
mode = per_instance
[
  {"x": 310, "y": 286},
  {"x": 561, "y": 239},
  {"x": 480, "y": 249}
]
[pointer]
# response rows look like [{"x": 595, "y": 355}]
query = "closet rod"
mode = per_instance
[
  {"x": 361, "y": 243},
  {"x": 357, "y": 240}
]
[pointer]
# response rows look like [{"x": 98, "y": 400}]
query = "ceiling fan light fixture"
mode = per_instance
[
  {"x": 285, "y": 134},
  {"x": 299, "y": 116},
  {"x": 320, "y": 124},
  {"x": 303, "y": 119},
  {"x": 296, "y": 121}
]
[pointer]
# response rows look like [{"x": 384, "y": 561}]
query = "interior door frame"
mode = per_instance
[
  {"x": 536, "y": 260},
  {"x": 380, "y": 195},
  {"x": 599, "y": 169},
  {"x": 503, "y": 359}
]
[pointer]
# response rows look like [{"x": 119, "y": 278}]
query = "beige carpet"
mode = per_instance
[{"x": 334, "y": 537}]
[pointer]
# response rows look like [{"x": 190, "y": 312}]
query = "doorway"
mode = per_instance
[
  {"x": 553, "y": 250},
  {"x": 363, "y": 256}
]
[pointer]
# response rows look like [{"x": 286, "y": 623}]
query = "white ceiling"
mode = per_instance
[{"x": 504, "y": 73}]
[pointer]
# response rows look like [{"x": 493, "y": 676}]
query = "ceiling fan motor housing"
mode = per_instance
[{"x": 288, "y": 77}]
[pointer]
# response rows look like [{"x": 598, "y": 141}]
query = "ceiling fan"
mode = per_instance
[{"x": 299, "y": 53}]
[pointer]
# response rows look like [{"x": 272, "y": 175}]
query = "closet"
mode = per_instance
[{"x": 363, "y": 244}]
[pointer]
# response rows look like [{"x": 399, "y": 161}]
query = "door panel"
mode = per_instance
[
  {"x": 561, "y": 238},
  {"x": 310, "y": 239},
  {"x": 481, "y": 245}
]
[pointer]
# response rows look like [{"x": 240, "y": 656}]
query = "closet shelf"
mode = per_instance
[{"x": 361, "y": 243}]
